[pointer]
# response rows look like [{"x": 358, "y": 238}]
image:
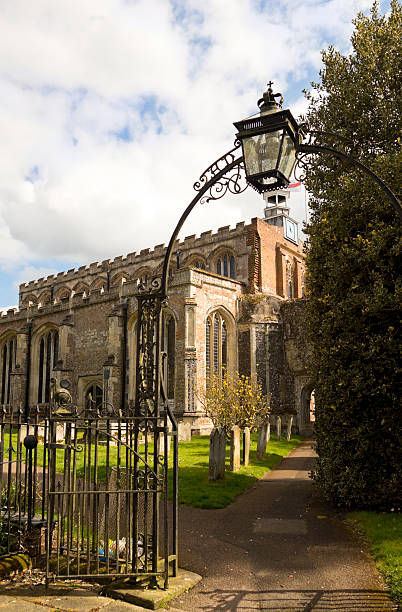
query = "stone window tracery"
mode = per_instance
[
  {"x": 216, "y": 345},
  {"x": 196, "y": 262},
  {"x": 29, "y": 300},
  {"x": 63, "y": 295},
  {"x": 48, "y": 356},
  {"x": 225, "y": 265},
  {"x": 143, "y": 276},
  {"x": 99, "y": 285},
  {"x": 81, "y": 288},
  {"x": 119, "y": 279},
  {"x": 7, "y": 363},
  {"x": 45, "y": 298}
]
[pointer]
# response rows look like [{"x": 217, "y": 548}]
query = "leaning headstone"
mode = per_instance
[
  {"x": 289, "y": 427},
  {"x": 278, "y": 428},
  {"x": 262, "y": 441},
  {"x": 217, "y": 453},
  {"x": 246, "y": 446},
  {"x": 184, "y": 432},
  {"x": 235, "y": 449}
]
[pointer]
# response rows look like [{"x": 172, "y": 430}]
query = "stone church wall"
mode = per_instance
[{"x": 92, "y": 306}]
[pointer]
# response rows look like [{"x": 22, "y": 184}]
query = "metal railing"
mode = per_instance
[{"x": 83, "y": 491}]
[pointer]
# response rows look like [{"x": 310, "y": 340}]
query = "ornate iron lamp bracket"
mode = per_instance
[{"x": 224, "y": 175}]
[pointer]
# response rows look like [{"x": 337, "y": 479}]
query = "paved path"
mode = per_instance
[
  {"x": 22, "y": 598},
  {"x": 277, "y": 548}
]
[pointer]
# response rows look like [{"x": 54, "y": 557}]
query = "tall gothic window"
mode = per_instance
[
  {"x": 225, "y": 266},
  {"x": 216, "y": 344},
  {"x": 7, "y": 363},
  {"x": 169, "y": 345},
  {"x": 48, "y": 356}
]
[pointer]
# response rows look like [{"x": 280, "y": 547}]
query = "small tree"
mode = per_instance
[{"x": 234, "y": 400}]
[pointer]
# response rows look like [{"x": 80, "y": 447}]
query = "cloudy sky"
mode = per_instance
[{"x": 111, "y": 109}]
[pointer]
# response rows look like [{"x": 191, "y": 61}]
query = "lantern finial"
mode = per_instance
[{"x": 268, "y": 103}]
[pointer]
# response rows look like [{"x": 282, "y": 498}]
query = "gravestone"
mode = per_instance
[
  {"x": 289, "y": 427},
  {"x": 217, "y": 453},
  {"x": 161, "y": 441},
  {"x": 235, "y": 449},
  {"x": 246, "y": 446},
  {"x": 262, "y": 440},
  {"x": 184, "y": 432},
  {"x": 278, "y": 428}
]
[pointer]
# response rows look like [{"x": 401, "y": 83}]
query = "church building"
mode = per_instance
[{"x": 235, "y": 301}]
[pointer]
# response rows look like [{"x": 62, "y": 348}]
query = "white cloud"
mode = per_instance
[{"x": 169, "y": 76}]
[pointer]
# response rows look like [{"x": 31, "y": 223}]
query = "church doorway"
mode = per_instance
[{"x": 308, "y": 409}]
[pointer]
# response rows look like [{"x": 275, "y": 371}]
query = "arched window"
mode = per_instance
[
  {"x": 216, "y": 344},
  {"x": 225, "y": 266},
  {"x": 142, "y": 276},
  {"x": 198, "y": 263},
  {"x": 45, "y": 298},
  {"x": 99, "y": 284},
  {"x": 48, "y": 356},
  {"x": 169, "y": 346},
  {"x": 119, "y": 279},
  {"x": 64, "y": 294},
  {"x": 28, "y": 300},
  {"x": 7, "y": 363},
  {"x": 94, "y": 397},
  {"x": 81, "y": 288}
]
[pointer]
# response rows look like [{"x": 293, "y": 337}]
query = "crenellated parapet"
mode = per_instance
[{"x": 110, "y": 273}]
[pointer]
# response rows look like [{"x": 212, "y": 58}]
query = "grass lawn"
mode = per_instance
[
  {"x": 194, "y": 487},
  {"x": 196, "y": 490},
  {"x": 383, "y": 531}
]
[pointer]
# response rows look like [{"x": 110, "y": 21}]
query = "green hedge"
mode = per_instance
[{"x": 354, "y": 285}]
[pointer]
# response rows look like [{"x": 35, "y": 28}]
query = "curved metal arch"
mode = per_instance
[
  {"x": 222, "y": 184},
  {"x": 307, "y": 148}
]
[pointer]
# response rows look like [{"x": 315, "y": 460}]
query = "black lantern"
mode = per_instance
[{"x": 269, "y": 141}]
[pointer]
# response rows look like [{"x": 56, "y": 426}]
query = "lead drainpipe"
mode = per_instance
[
  {"x": 124, "y": 356},
  {"x": 28, "y": 371}
]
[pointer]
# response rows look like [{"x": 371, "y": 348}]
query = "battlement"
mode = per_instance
[{"x": 88, "y": 278}]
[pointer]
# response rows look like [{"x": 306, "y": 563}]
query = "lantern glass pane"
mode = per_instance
[
  {"x": 261, "y": 152},
  {"x": 288, "y": 157}
]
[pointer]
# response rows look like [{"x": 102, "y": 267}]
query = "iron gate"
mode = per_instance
[
  {"x": 86, "y": 491},
  {"x": 105, "y": 481}
]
